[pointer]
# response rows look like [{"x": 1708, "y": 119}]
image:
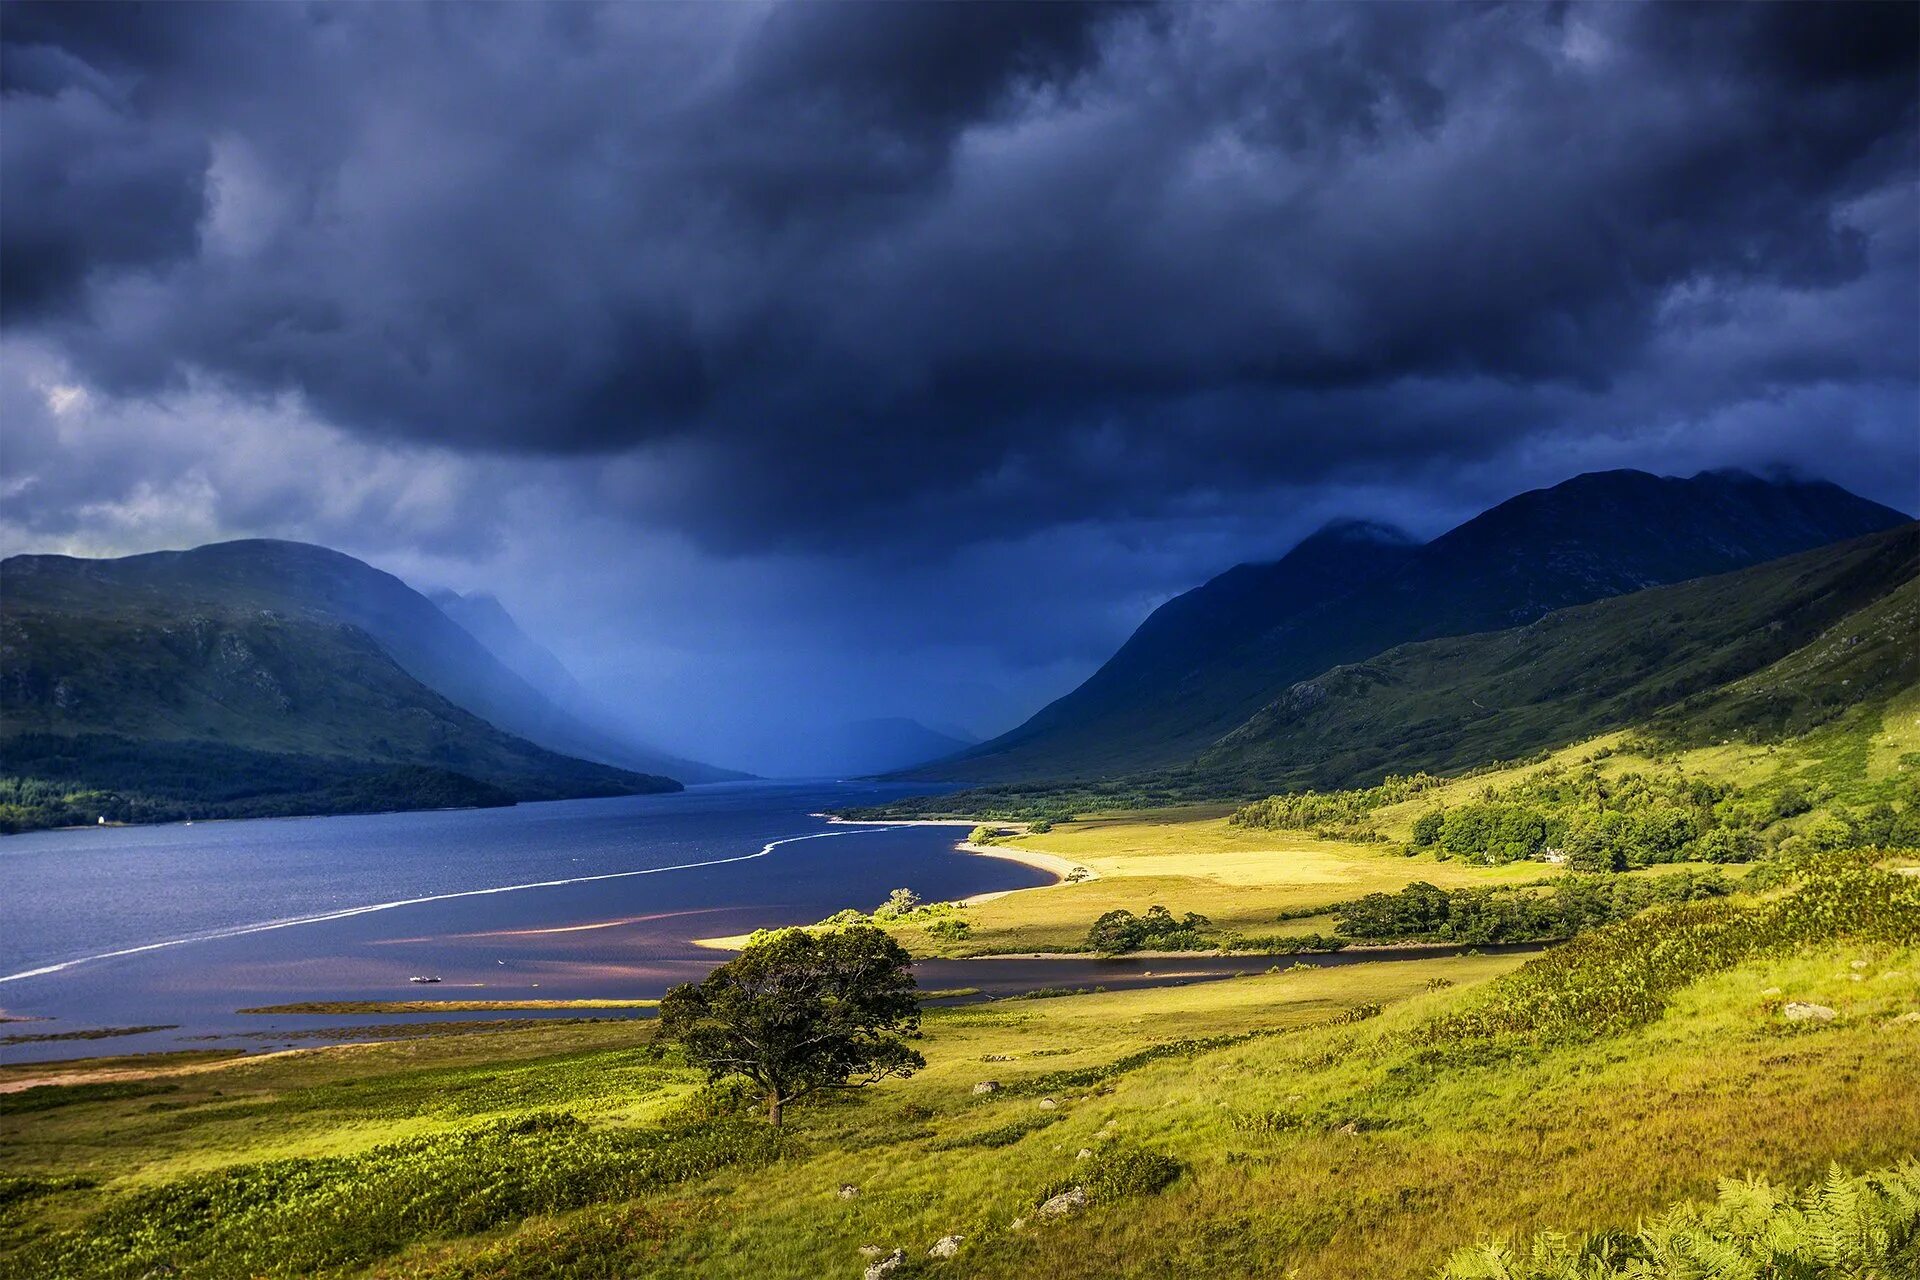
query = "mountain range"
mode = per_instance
[
  {"x": 264, "y": 677},
  {"x": 299, "y": 678},
  {"x": 1182, "y": 690}
]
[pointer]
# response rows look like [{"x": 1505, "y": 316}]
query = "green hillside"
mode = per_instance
[
  {"x": 302, "y": 582},
  {"x": 1208, "y": 660},
  {"x": 109, "y": 693},
  {"x": 1841, "y": 617},
  {"x": 1768, "y": 652}
]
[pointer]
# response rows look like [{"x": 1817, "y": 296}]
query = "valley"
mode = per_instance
[{"x": 1542, "y": 929}]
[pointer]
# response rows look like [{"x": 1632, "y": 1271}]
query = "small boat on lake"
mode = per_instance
[{"x": 419, "y": 979}]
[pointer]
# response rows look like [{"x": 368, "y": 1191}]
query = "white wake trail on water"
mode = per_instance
[{"x": 237, "y": 931}]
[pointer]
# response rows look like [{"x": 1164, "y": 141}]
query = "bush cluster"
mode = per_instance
[
  {"x": 1598, "y": 823},
  {"x": 1120, "y": 931},
  {"x": 1622, "y": 975},
  {"x": 1332, "y": 810},
  {"x": 1116, "y": 1170},
  {"x": 1424, "y": 912},
  {"x": 903, "y": 906}
]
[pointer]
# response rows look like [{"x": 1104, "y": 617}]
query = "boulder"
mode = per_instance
[
  {"x": 987, "y": 1086},
  {"x": 1066, "y": 1204},
  {"x": 1910, "y": 1016},
  {"x": 873, "y": 1250},
  {"x": 848, "y": 1190},
  {"x": 1084, "y": 1153},
  {"x": 1350, "y": 1128},
  {"x": 1048, "y": 1104},
  {"x": 886, "y": 1266},
  {"x": 1798, "y": 1012},
  {"x": 945, "y": 1247}
]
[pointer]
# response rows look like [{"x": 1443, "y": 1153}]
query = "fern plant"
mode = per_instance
[{"x": 1846, "y": 1227}]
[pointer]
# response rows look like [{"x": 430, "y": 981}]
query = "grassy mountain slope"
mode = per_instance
[
  {"x": 1812, "y": 642},
  {"x": 1591, "y": 538},
  {"x": 1159, "y": 685},
  {"x": 303, "y": 582},
  {"x": 1841, "y": 617},
  {"x": 105, "y": 686}
]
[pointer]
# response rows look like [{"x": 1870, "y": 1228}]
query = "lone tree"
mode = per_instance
[{"x": 802, "y": 1011}]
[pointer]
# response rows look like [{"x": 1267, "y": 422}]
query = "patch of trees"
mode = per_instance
[
  {"x": 1885, "y": 825},
  {"x": 799, "y": 1012},
  {"x": 1427, "y": 913},
  {"x": 1597, "y": 823},
  {"x": 903, "y": 906},
  {"x": 1120, "y": 931},
  {"x": 1331, "y": 810}
]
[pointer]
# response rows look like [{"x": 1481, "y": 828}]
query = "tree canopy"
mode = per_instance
[{"x": 802, "y": 1011}]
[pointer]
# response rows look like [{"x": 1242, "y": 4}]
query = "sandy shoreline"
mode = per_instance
[
  {"x": 1052, "y": 863},
  {"x": 1049, "y": 862}
]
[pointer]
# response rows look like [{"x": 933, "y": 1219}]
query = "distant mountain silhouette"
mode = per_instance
[
  {"x": 577, "y": 723},
  {"x": 863, "y": 747}
]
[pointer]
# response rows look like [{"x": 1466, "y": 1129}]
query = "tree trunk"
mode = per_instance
[{"x": 773, "y": 1107}]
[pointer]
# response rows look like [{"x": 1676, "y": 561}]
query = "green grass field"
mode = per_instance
[{"x": 1306, "y": 1149}]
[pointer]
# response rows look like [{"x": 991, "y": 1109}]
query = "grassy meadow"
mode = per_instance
[
  {"x": 1305, "y": 1145},
  {"x": 1243, "y": 880}
]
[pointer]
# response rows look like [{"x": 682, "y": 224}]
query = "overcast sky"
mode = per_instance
[{"x": 784, "y": 364}]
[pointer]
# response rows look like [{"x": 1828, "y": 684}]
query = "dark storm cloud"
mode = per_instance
[
  {"x": 87, "y": 183},
  {"x": 829, "y": 273}
]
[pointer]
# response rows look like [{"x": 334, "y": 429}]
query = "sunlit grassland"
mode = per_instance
[
  {"x": 212, "y": 1111},
  {"x": 1585, "y": 1136},
  {"x": 1241, "y": 879},
  {"x": 1445, "y": 1148}
]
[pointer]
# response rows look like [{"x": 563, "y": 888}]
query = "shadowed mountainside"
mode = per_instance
[
  {"x": 297, "y": 667},
  {"x": 1208, "y": 660},
  {"x": 574, "y": 720}
]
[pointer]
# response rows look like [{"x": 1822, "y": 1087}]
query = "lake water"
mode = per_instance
[{"x": 185, "y": 925}]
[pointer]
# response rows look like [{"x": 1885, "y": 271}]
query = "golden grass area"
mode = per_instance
[{"x": 1186, "y": 861}]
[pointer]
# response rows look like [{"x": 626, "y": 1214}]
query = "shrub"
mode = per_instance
[
  {"x": 1115, "y": 1171},
  {"x": 899, "y": 903},
  {"x": 1120, "y": 1169},
  {"x": 1120, "y": 931},
  {"x": 1866, "y": 1225},
  {"x": 1622, "y": 975}
]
